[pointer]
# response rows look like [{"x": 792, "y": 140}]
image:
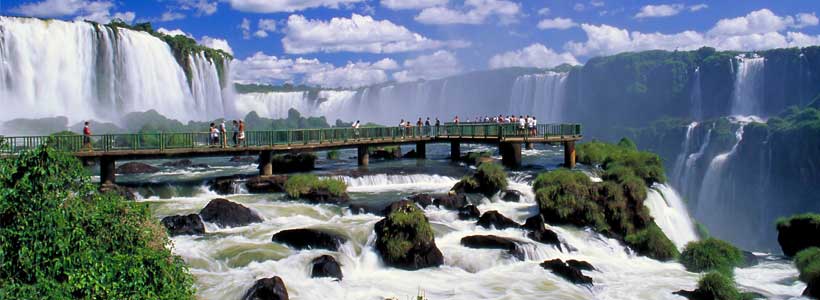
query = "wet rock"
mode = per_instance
[
  {"x": 306, "y": 238},
  {"x": 243, "y": 159},
  {"x": 183, "y": 225},
  {"x": 580, "y": 265},
  {"x": 366, "y": 209},
  {"x": 539, "y": 233},
  {"x": 411, "y": 154},
  {"x": 512, "y": 196},
  {"x": 798, "y": 233},
  {"x": 563, "y": 270},
  {"x": 322, "y": 196},
  {"x": 450, "y": 201},
  {"x": 126, "y": 192},
  {"x": 184, "y": 163},
  {"x": 493, "y": 242},
  {"x": 410, "y": 237},
  {"x": 749, "y": 259},
  {"x": 225, "y": 185},
  {"x": 424, "y": 200},
  {"x": 228, "y": 214},
  {"x": 386, "y": 153},
  {"x": 267, "y": 184},
  {"x": 495, "y": 219},
  {"x": 136, "y": 168},
  {"x": 290, "y": 163},
  {"x": 326, "y": 266},
  {"x": 468, "y": 212},
  {"x": 267, "y": 289}
]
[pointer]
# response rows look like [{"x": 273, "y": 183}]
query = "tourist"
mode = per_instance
[
  {"x": 223, "y": 133},
  {"x": 235, "y": 128},
  {"x": 534, "y": 127},
  {"x": 522, "y": 124},
  {"x": 242, "y": 133},
  {"x": 211, "y": 128},
  {"x": 356, "y": 128},
  {"x": 419, "y": 123},
  {"x": 427, "y": 126},
  {"x": 87, "y": 136},
  {"x": 455, "y": 120}
]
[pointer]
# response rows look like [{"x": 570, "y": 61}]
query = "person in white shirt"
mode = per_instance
[
  {"x": 533, "y": 127},
  {"x": 522, "y": 123}
]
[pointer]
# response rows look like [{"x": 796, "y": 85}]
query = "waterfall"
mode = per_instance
[
  {"x": 678, "y": 169},
  {"x": 540, "y": 94},
  {"x": 331, "y": 104},
  {"x": 687, "y": 177},
  {"x": 84, "y": 71},
  {"x": 669, "y": 211},
  {"x": 709, "y": 202},
  {"x": 384, "y": 182},
  {"x": 696, "y": 97},
  {"x": 748, "y": 95}
]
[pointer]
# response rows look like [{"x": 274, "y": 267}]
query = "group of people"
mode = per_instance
[
  {"x": 528, "y": 124},
  {"x": 218, "y": 135}
]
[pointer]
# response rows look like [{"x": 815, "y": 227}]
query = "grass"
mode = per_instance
[
  {"x": 302, "y": 184},
  {"x": 719, "y": 286},
  {"x": 807, "y": 262},
  {"x": 711, "y": 255},
  {"x": 488, "y": 180},
  {"x": 333, "y": 154},
  {"x": 786, "y": 222}
]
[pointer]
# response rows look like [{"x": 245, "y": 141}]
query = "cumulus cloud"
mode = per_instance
[
  {"x": 473, "y": 12},
  {"x": 698, "y": 7},
  {"x": 170, "y": 16},
  {"x": 216, "y": 43},
  {"x": 245, "y": 26},
  {"x": 355, "y": 34},
  {"x": 262, "y": 68},
  {"x": 658, "y": 11},
  {"x": 535, "y": 55},
  {"x": 557, "y": 23},
  {"x": 174, "y": 32},
  {"x": 440, "y": 64},
  {"x": 264, "y": 27},
  {"x": 761, "y": 21},
  {"x": 97, "y": 11},
  {"x": 411, "y": 4},
  {"x": 266, "y": 6},
  {"x": 351, "y": 75}
]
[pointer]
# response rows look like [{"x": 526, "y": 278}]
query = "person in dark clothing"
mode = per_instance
[{"x": 235, "y": 133}]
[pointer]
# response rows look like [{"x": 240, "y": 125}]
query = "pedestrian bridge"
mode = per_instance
[{"x": 108, "y": 148}]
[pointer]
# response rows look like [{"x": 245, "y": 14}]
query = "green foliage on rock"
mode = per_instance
[
  {"x": 711, "y": 255},
  {"x": 652, "y": 241},
  {"x": 474, "y": 157},
  {"x": 648, "y": 166},
  {"x": 719, "y": 286},
  {"x": 807, "y": 262},
  {"x": 60, "y": 238},
  {"x": 407, "y": 218},
  {"x": 302, "y": 184},
  {"x": 333, "y": 155},
  {"x": 488, "y": 180}
]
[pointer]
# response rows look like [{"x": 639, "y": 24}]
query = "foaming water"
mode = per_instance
[
  {"x": 384, "y": 182},
  {"x": 669, "y": 212}
]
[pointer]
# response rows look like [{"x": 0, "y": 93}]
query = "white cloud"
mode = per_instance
[
  {"x": 760, "y": 21},
  {"x": 216, "y": 43},
  {"x": 578, "y": 7},
  {"x": 170, "y": 16},
  {"x": 351, "y": 75},
  {"x": 245, "y": 26},
  {"x": 264, "y": 26},
  {"x": 261, "y": 68},
  {"x": 272, "y": 6},
  {"x": 202, "y": 7},
  {"x": 411, "y": 4},
  {"x": 97, "y": 11},
  {"x": 473, "y": 12},
  {"x": 440, "y": 64},
  {"x": 596, "y": 3},
  {"x": 805, "y": 20},
  {"x": 698, "y": 7},
  {"x": 658, "y": 11},
  {"x": 355, "y": 34},
  {"x": 174, "y": 32},
  {"x": 544, "y": 11},
  {"x": 557, "y": 23},
  {"x": 386, "y": 64},
  {"x": 535, "y": 55}
]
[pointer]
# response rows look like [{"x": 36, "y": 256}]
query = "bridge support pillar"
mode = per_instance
[
  {"x": 528, "y": 146},
  {"x": 421, "y": 150},
  {"x": 455, "y": 151},
  {"x": 569, "y": 154},
  {"x": 510, "y": 154},
  {"x": 107, "y": 170},
  {"x": 265, "y": 163},
  {"x": 363, "y": 156}
]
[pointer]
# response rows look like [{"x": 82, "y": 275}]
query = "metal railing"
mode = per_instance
[{"x": 189, "y": 140}]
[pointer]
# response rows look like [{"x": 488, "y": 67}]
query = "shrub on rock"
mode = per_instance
[
  {"x": 718, "y": 286},
  {"x": 807, "y": 262},
  {"x": 652, "y": 242},
  {"x": 488, "y": 180},
  {"x": 476, "y": 157},
  {"x": 266, "y": 184},
  {"x": 315, "y": 189},
  {"x": 228, "y": 214},
  {"x": 711, "y": 255},
  {"x": 267, "y": 289},
  {"x": 404, "y": 238},
  {"x": 798, "y": 232}
]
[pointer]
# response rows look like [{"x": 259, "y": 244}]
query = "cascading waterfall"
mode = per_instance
[
  {"x": 382, "y": 182},
  {"x": 696, "y": 97},
  {"x": 687, "y": 178},
  {"x": 540, "y": 94},
  {"x": 747, "y": 96},
  {"x": 708, "y": 206},
  {"x": 83, "y": 71},
  {"x": 670, "y": 213},
  {"x": 678, "y": 169}
]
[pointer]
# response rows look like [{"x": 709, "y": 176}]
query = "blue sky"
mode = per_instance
[{"x": 359, "y": 42}]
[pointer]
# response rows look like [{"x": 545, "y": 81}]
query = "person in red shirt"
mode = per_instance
[{"x": 87, "y": 136}]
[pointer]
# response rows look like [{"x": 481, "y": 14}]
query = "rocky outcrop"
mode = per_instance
[
  {"x": 267, "y": 289},
  {"x": 225, "y": 185},
  {"x": 136, "y": 168},
  {"x": 183, "y": 225},
  {"x": 563, "y": 270},
  {"x": 404, "y": 238},
  {"x": 798, "y": 232},
  {"x": 449, "y": 201},
  {"x": 512, "y": 196},
  {"x": 228, "y": 214},
  {"x": 126, "y": 192},
  {"x": 326, "y": 266},
  {"x": 386, "y": 153},
  {"x": 493, "y": 242},
  {"x": 580, "y": 265},
  {"x": 539, "y": 233},
  {"x": 266, "y": 184},
  {"x": 243, "y": 159},
  {"x": 411, "y": 154},
  {"x": 424, "y": 200},
  {"x": 495, "y": 219},
  {"x": 366, "y": 209},
  {"x": 488, "y": 180},
  {"x": 183, "y": 163},
  {"x": 468, "y": 212},
  {"x": 306, "y": 238},
  {"x": 290, "y": 163}
]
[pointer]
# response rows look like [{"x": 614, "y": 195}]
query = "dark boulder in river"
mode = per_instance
[
  {"x": 539, "y": 233},
  {"x": 306, "y": 238},
  {"x": 798, "y": 232},
  {"x": 495, "y": 219},
  {"x": 289, "y": 163},
  {"x": 267, "y": 184},
  {"x": 468, "y": 212},
  {"x": 225, "y": 185},
  {"x": 493, "y": 242},
  {"x": 405, "y": 239},
  {"x": 512, "y": 196},
  {"x": 267, "y": 289},
  {"x": 241, "y": 159},
  {"x": 228, "y": 214},
  {"x": 136, "y": 168},
  {"x": 450, "y": 201},
  {"x": 326, "y": 266},
  {"x": 184, "y": 163},
  {"x": 183, "y": 225},
  {"x": 563, "y": 270}
]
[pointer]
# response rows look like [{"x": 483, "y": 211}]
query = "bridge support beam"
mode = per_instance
[
  {"x": 455, "y": 151},
  {"x": 421, "y": 150},
  {"x": 569, "y": 154},
  {"x": 510, "y": 154},
  {"x": 363, "y": 156},
  {"x": 528, "y": 146},
  {"x": 265, "y": 163},
  {"x": 107, "y": 171}
]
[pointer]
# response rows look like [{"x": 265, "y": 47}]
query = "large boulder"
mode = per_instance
[
  {"x": 468, "y": 212},
  {"x": 424, "y": 200},
  {"x": 136, "y": 168},
  {"x": 512, "y": 196},
  {"x": 563, "y": 270},
  {"x": 326, "y": 266},
  {"x": 404, "y": 238},
  {"x": 539, "y": 233},
  {"x": 386, "y": 153},
  {"x": 243, "y": 159},
  {"x": 183, "y": 225},
  {"x": 306, "y": 238},
  {"x": 228, "y": 214},
  {"x": 225, "y": 185},
  {"x": 126, "y": 192},
  {"x": 580, "y": 265},
  {"x": 324, "y": 196},
  {"x": 267, "y": 289},
  {"x": 493, "y": 242},
  {"x": 357, "y": 208},
  {"x": 267, "y": 184},
  {"x": 495, "y": 219},
  {"x": 798, "y": 232},
  {"x": 450, "y": 201},
  {"x": 184, "y": 163},
  {"x": 289, "y": 163}
]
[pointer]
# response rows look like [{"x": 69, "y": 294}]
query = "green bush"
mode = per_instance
[
  {"x": 807, "y": 262},
  {"x": 303, "y": 184},
  {"x": 711, "y": 255},
  {"x": 333, "y": 155},
  {"x": 648, "y": 166},
  {"x": 60, "y": 238},
  {"x": 651, "y": 242},
  {"x": 719, "y": 286},
  {"x": 488, "y": 180},
  {"x": 406, "y": 219},
  {"x": 627, "y": 143}
]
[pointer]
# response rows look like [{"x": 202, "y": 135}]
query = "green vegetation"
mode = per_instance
[
  {"x": 333, "y": 155},
  {"x": 808, "y": 264},
  {"x": 404, "y": 220},
  {"x": 711, "y": 255},
  {"x": 488, "y": 180},
  {"x": 302, "y": 184},
  {"x": 613, "y": 207},
  {"x": 61, "y": 239},
  {"x": 703, "y": 232},
  {"x": 786, "y": 222},
  {"x": 474, "y": 157},
  {"x": 719, "y": 286}
]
